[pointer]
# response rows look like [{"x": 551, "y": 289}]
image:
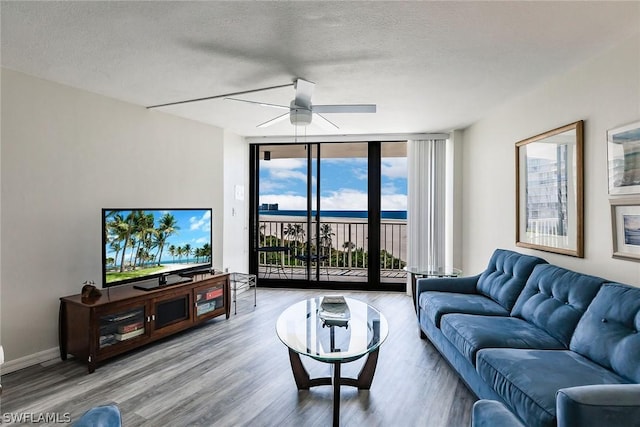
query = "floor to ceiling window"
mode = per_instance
[
  {"x": 314, "y": 209},
  {"x": 393, "y": 202}
]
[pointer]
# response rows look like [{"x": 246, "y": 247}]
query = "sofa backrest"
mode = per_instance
[
  {"x": 608, "y": 332},
  {"x": 506, "y": 275},
  {"x": 554, "y": 299}
]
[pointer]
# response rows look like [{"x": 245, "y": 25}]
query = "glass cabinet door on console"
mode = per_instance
[
  {"x": 209, "y": 299},
  {"x": 121, "y": 326}
]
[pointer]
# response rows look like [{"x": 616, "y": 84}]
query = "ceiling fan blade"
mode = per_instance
[
  {"x": 262, "y": 104},
  {"x": 323, "y": 122},
  {"x": 273, "y": 121},
  {"x": 304, "y": 90},
  {"x": 345, "y": 108},
  {"x": 226, "y": 95}
]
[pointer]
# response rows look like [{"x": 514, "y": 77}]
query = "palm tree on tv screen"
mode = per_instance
[
  {"x": 167, "y": 226},
  {"x": 206, "y": 251},
  {"x": 115, "y": 246},
  {"x": 144, "y": 230},
  {"x": 122, "y": 229},
  {"x": 187, "y": 251}
]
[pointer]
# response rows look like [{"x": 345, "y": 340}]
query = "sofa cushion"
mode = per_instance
[
  {"x": 436, "y": 304},
  {"x": 470, "y": 333},
  {"x": 608, "y": 331},
  {"x": 529, "y": 379},
  {"x": 555, "y": 298},
  {"x": 506, "y": 275}
]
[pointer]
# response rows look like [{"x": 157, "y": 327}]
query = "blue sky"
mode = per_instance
[{"x": 343, "y": 183}]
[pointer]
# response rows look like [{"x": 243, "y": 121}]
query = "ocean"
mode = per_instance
[{"x": 336, "y": 214}]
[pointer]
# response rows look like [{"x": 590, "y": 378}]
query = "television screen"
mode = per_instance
[{"x": 143, "y": 244}]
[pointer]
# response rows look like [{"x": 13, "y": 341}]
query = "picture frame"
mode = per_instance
[
  {"x": 625, "y": 226},
  {"x": 623, "y": 159},
  {"x": 549, "y": 191}
]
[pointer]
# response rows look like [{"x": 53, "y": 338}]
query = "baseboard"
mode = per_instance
[{"x": 30, "y": 360}]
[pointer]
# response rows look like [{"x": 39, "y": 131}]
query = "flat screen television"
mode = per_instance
[{"x": 154, "y": 247}]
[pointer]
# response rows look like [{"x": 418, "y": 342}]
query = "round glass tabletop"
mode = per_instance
[{"x": 301, "y": 329}]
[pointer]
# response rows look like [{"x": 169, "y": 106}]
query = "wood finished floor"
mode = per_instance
[{"x": 236, "y": 372}]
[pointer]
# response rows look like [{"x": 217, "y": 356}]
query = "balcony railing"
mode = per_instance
[{"x": 341, "y": 245}]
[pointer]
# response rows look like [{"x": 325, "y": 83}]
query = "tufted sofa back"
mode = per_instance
[
  {"x": 554, "y": 299},
  {"x": 608, "y": 332},
  {"x": 506, "y": 275}
]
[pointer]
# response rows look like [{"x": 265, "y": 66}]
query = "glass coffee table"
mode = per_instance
[{"x": 301, "y": 329}]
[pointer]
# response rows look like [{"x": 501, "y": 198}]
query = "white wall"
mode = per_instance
[
  {"x": 66, "y": 154},
  {"x": 605, "y": 93},
  {"x": 236, "y": 212}
]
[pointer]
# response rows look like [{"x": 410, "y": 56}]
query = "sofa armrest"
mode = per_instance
[
  {"x": 459, "y": 285},
  {"x": 611, "y": 405},
  {"x": 491, "y": 413}
]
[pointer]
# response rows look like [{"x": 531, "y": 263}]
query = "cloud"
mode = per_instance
[
  {"x": 203, "y": 223},
  {"x": 361, "y": 173},
  {"x": 281, "y": 170},
  {"x": 345, "y": 199},
  {"x": 266, "y": 185},
  {"x": 393, "y": 202},
  {"x": 286, "y": 174},
  {"x": 394, "y": 167},
  {"x": 285, "y": 201},
  {"x": 389, "y": 188},
  {"x": 283, "y": 164}
]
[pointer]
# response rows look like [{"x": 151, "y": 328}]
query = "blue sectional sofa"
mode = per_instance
[{"x": 549, "y": 345}]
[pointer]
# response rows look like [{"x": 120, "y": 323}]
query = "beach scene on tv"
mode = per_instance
[{"x": 140, "y": 243}]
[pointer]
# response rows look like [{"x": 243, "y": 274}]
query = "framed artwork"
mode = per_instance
[
  {"x": 549, "y": 191},
  {"x": 625, "y": 224},
  {"x": 623, "y": 159}
]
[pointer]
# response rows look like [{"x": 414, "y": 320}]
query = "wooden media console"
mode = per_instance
[{"x": 124, "y": 318}]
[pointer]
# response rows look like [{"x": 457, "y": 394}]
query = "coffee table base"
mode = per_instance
[{"x": 363, "y": 382}]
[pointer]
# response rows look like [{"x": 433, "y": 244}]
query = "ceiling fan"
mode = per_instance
[{"x": 300, "y": 111}]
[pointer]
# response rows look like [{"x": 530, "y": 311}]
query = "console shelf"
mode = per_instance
[{"x": 124, "y": 318}]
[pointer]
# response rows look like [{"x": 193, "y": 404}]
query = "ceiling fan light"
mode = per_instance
[{"x": 299, "y": 116}]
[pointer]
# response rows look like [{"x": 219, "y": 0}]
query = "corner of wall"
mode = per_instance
[
  {"x": 454, "y": 199},
  {"x": 236, "y": 212}
]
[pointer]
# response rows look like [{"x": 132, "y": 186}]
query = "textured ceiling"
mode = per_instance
[{"x": 429, "y": 66}]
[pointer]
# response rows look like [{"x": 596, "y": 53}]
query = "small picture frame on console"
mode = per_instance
[{"x": 625, "y": 224}]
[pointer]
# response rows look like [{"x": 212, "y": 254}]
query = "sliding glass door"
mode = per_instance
[{"x": 317, "y": 219}]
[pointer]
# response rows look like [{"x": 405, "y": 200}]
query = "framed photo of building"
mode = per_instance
[
  {"x": 625, "y": 224},
  {"x": 623, "y": 159},
  {"x": 549, "y": 191}
]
